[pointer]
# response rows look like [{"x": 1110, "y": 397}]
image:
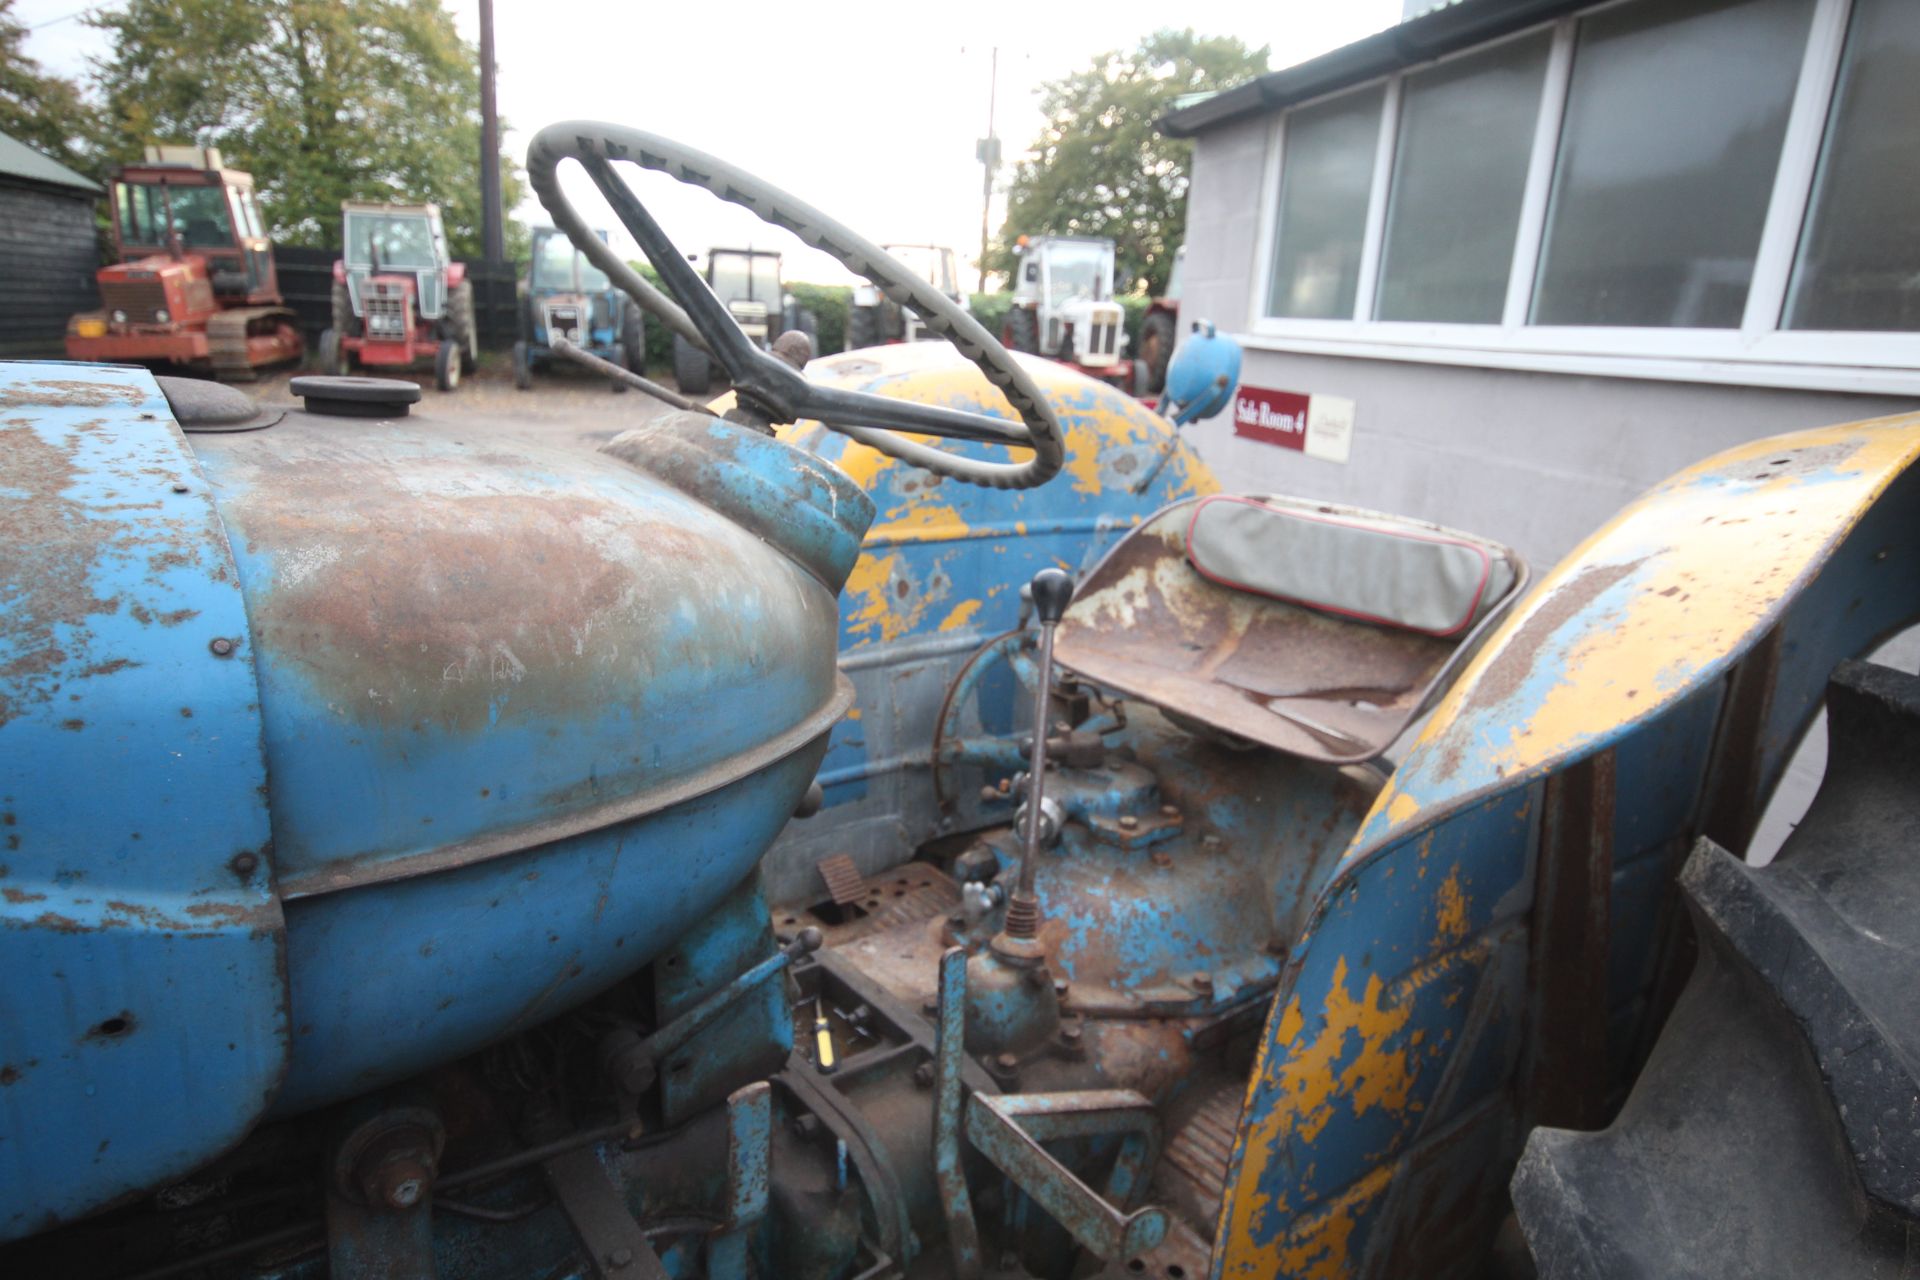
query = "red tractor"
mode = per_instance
[
  {"x": 194, "y": 283},
  {"x": 399, "y": 300}
]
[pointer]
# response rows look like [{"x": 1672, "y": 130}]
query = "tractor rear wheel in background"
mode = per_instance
[
  {"x": 1023, "y": 330},
  {"x": 329, "y": 355},
  {"x": 462, "y": 326},
  {"x": 618, "y": 385},
  {"x": 692, "y": 368},
  {"x": 522, "y": 367},
  {"x": 447, "y": 362},
  {"x": 863, "y": 328},
  {"x": 342, "y": 308},
  {"x": 1775, "y": 1130},
  {"x": 633, "y": 336},
  {"x": 1156, "y": 348}
]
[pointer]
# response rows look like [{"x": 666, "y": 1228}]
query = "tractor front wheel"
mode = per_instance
[
  {"x": 633, "y": 336},
  {"x": 1023, "y": 330},
  {"x": 342, "y": 307},
  {"x": 692, "y": 368},
  {"x": 464, "y": 329},
  {"x": 1156, "y": 348},
  {"x": 446, "y": 365},
  {"x": 330, "y": 355},
  {"x": 863, "y": 328},
  {"x": 522, "y": 367}
]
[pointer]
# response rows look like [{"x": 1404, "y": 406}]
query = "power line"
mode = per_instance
[{"x": 54, "y": 22}]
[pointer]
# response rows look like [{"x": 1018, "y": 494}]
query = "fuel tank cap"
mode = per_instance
[
  {"x": 344, "y": 396},
  {"x": 199, "y": 405}
]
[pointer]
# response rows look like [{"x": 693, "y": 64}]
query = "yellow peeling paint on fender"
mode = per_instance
[{"x": 1688, "y": 575}]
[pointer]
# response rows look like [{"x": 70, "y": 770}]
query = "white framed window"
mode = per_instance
[{"x": 1702, "y": 190}]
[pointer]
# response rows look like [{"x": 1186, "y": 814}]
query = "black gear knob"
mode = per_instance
[{"x": 1052, "y": 592}]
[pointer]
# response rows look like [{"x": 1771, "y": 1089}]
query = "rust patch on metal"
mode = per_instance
[
  {"x": 21, "y": 896},
  {"x": 70, "y": 393},
  {"x": 1264, "y": 670}
]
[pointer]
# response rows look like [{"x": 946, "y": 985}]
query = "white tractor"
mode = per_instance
[
  {"x": 876, "y": 319},
  {"x": 1063, "y": 307}
]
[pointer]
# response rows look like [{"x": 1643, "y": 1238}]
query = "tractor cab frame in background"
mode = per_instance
[
  {"x": 1063, "y": 306},
  {"x": 750, "y": 284},
  {"x": 876, "y": 319},
  {"x": 399, "y": 299},
  {"x": 193, "y": 282},
  {"x": 567, "y": 297}
]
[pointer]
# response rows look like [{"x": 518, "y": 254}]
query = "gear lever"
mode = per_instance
[{"x": 1052, "y": 592}]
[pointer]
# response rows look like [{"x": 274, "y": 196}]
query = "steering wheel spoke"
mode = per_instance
[{"x": 761, "y": 379}]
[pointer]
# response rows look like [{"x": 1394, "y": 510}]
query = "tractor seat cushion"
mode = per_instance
[{"x": 1380, "y": 569}]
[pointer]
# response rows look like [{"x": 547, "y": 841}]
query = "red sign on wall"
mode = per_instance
[
  {"x": 1271, "y": 417},
  {"x": 1318, "y": 426}
]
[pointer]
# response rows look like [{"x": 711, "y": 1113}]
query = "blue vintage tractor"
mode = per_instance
[
  {"x": 567, "y": 298},
  {"x": 401, "y": 868}
]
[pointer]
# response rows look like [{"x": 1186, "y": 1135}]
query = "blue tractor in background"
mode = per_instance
[{"x": 567, "y": 297}]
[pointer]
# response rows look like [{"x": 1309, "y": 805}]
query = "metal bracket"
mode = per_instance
[
  {"x": 949, "y": 1055},
  {"x": 1009, "y": 1129}
]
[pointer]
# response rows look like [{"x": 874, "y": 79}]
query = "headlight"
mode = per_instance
[
  {"x": 119, "y": 317},
  {"x": 161, "y": 316}
]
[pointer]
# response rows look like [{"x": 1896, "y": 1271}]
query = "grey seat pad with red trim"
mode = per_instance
[{"x": 1381, "y": 568}]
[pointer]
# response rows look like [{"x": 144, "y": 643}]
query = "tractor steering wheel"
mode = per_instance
[{"x": 762, "y": 381}]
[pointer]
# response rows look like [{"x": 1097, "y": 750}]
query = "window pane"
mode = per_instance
[
  {"x": 1667, "y": 160},
  {"x": 1859, "y": 264},
  {"x": 1459, "y": 170},
  {"x": 1327, "y": 170}
]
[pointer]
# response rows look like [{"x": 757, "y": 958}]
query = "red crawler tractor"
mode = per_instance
[{"x": 194, "y": 283}]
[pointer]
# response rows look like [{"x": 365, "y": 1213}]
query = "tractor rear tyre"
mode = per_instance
[
  {"x": 1023, "y": 330},
  {"x": 1156, "y": 348},
  {"x": 618, "y": 385},
  {"x": 342, "y": 308},
  {"x": 863, "y": 328},
  {"x": 329, "y": 355},
  {"x": 633, "y": 336},
  {"x": 462, "y": 326},
  {"x": 522, "y": 368},
  {"x": 446, "y": 364},
  {"x": 1775, "y": 1130},
  {"x": 692, "y": 368}
]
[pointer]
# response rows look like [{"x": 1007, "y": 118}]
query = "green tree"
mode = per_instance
[
  {"x": 44, "y": 111},
  {"x": 321, "y": 100},
  {"x": 1101, "y": 168}
]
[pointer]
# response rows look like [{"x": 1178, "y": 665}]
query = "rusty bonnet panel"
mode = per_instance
[{"x": 143, "y": 1014}]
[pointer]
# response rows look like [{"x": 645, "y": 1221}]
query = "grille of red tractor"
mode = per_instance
[{"x": 141, "y": 301}]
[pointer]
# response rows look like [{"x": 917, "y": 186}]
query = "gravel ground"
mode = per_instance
[{"x": 561, "y": 402}]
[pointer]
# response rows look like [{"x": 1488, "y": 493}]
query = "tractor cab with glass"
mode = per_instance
[
  {"x": 399, "y": 299},
  {"x": 749, "y": 283},
  {"x": 193, "y": 280},
  {"x": 1063, "y": 306},
  {"x": 876, "y": 319},
  {"x": 567, "y": 299}
]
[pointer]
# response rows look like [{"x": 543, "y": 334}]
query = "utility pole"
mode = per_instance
[
  {"x": 987, "y": 150},
  {"x": 493, "y": 239}
]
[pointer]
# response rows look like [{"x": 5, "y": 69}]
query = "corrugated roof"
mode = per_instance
[
  {"x": 1443, "y": 29},
  {"x": 18, "y": 160}
]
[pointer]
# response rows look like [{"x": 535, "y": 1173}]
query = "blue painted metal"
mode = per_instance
[
  {"x": 525, "y": 711},
  {"x": 1202, "y": 376},
  {"x": 1010, "y": 1129},
  {"x": 941, "y": 573},
  {"x": 143, "y": 1012},
  {"x": 963, "y": 1236}
]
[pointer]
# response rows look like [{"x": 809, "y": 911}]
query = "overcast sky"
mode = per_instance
[{"x": 868, "y": 111}]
